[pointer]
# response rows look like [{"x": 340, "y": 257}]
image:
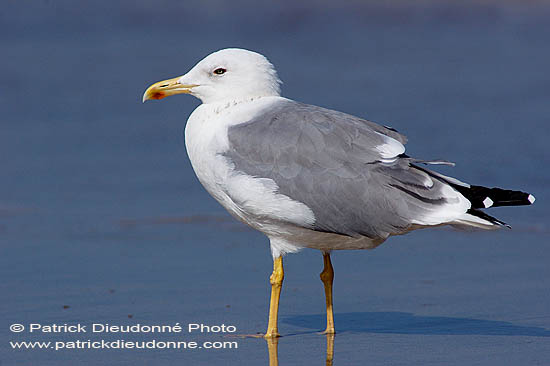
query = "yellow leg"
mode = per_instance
[
  {"x": 276, "y": 280},
  {"x": 327, "y": 276}
]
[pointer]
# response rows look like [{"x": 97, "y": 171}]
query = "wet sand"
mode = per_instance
[{"x": 103, "y": 221}]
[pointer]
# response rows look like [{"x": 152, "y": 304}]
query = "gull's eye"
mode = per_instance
[{"x": 219, "y": 71}]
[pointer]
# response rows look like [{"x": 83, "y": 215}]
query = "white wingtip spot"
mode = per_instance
[
  {"x": 531, "y": 198},
  {"x": 487, "y": 202}
]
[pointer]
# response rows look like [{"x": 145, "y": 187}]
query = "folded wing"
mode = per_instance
[{"x": 350, "y": 172}]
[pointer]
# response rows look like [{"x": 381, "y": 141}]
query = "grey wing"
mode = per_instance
[{"x": 350, "y": 172}]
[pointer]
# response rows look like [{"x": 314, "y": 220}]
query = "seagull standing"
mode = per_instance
[{"x": 310, "y": 177}]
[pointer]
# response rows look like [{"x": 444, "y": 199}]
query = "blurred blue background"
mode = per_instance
[{"x": 102, "y": 219}]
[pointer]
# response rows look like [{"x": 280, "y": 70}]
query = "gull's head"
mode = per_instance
[{"x": 225, "y": 75}]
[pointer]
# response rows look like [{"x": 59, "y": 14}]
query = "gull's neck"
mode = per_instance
[{"x": 221, "y": 105}]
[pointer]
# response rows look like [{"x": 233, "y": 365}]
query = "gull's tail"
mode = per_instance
[{"x": 483, "y": 197}]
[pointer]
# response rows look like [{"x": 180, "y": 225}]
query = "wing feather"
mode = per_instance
[{"x": 350, "y": 172}]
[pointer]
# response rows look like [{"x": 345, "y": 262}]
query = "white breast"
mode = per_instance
[
  {"x": 253, "y": 200},
  {"x": 205, "y": 139}
]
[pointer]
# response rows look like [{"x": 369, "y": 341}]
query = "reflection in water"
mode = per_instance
[
  {"x": 273, "y": 350},
  {"x": 330, "y": 349}
]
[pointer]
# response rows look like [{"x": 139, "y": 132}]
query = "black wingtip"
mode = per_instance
[
  {"x": 483, "y": 197},
  {"x": 491, "y": 219}
]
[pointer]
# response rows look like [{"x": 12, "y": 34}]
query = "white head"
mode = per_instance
[{"x": 226, "y": 75}]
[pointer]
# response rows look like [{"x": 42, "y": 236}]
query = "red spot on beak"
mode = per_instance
[{"x": 157, "y": 95}]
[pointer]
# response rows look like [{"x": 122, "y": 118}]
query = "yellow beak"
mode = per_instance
[{"x": 166, "y": 88}]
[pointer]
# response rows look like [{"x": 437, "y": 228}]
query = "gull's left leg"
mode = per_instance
[
  {"x": 276, "y": 280},
  {"x": 327, "y": 276}
]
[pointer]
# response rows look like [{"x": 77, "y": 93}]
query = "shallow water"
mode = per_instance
[{"x": 103, "y": 221}]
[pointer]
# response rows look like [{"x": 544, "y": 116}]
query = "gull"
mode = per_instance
[{"x": 310, "y": 177}]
